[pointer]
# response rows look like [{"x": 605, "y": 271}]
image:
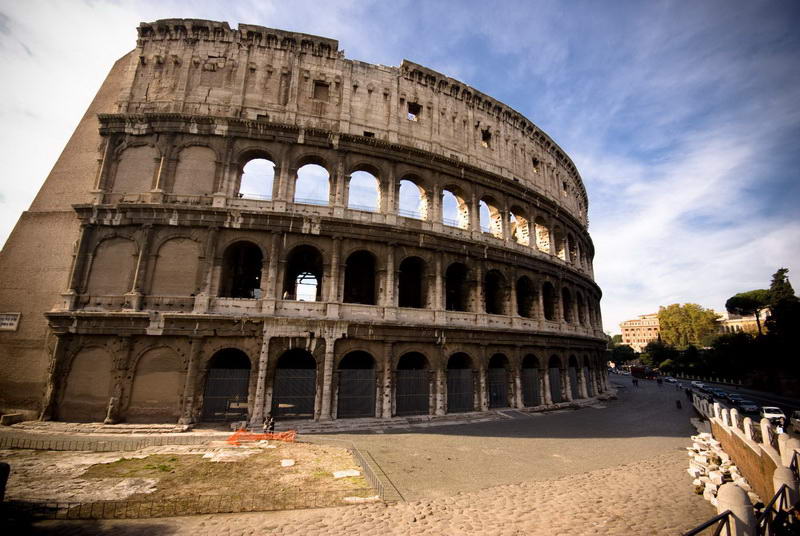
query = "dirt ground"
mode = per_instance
[{"x": 177, "y": 472}]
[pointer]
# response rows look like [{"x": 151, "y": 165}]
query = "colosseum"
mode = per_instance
[{"x": 245, "y": 222}]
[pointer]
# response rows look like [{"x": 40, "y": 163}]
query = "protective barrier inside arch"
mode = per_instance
[
  {"x": 412, "y": 385},
  {"x": 460, "y": 384},
  {"x": 531, "y": 392},
  {"x": 226, "y": 387},
  {"x": 356, "y": 395},
  {"x": 498, "y": 381},
  {"x": 294, "y": 385}
]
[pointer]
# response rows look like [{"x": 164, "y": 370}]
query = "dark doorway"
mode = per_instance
[
  {"x": 356, "y": 386},
  {"x": 410, "y": 283},
  {"x": 566, "y": 303},
  {"x": 241, "y": 271},
  {"x": 498, "y": 381},
  {"x": 549, "y": 301},
  {"x": 294, "y": 388},
  {"x": 460, "y": 384},
  {"x": 303, "y": 279},
  {"x": 495, "y": 293},
  {"x": 456, "y": 287},
  {"x": 531, "y": 395},
  {"x": 359, "y": 278},
  {"x": 412, "y": 385},
  {"x": 525, "y": 297},
  {"x": 554, "y": 374},
  {"x": 227, "y": 385}
]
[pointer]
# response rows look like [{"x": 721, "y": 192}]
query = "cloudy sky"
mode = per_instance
[{"x": 683, "y": 117}]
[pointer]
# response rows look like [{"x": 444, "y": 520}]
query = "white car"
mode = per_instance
[
  {"x": 670, "y": 379},
  {"x": 698, "y": 385},
  {"x": 772, "y": 413}
]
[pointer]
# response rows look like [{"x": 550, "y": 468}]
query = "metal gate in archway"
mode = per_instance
[
  {"x": 412, "y": 392},
  {"x": 555, "y": 384},
  {"x": 498, "y": 387},
  {"x": 573, "y": 383},
  {"x": 356, "y": 393},
  {"x": 530, "y": 387},
  {"x": 225, "y": 396},
  {"x": 460, "y": 384},
  {"x": 293, "y": 393}
]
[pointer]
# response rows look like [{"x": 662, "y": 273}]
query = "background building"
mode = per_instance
[
  {"x": 640, "y": 331},
  {"x": 247, "y": 222}
]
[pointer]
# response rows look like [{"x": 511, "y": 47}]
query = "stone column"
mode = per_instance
[
  {"x": 122, "y": 380},
  {"x": 512, "y": 298},
  {"x": 333, "y": 279},
  {"x": 441, "y": 391},
  {"x": 388, "y": 388},
  {"x": 327, "y": 379},
  {"x": 518, "y": 402},
  {"x": 187, "y": 412},
  {"x": 566, "y": 385},
  {"x": 56, "y": 376},
  {"x": 272, "y": 283},
  {"x": 388, "y": 298},
  {"x": 141, "y": 268},
  {"x": 480, "y": 402},
  {"x": 584, "y": 392},
  {"x": 257, "y": 416},
  {"x": 544, "y": 378}
]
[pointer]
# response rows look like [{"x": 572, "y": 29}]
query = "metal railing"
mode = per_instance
[
  {"x": 201, "y": 504},
  {"x": 409, "y": 214},
  {"x": 362, "y": 208},
  {"x": 309, "y": 201},
  {"x": 778, "y": 517},
  {"x": 719, "y": 522}
]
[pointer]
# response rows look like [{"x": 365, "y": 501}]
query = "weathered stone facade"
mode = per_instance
[{"x": 175, "y": 291}]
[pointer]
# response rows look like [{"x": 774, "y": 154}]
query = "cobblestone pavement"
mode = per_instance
[{"x": 617, "y": 469}]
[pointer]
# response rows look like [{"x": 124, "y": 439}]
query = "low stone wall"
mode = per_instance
[{"x": 754, "y": 464}]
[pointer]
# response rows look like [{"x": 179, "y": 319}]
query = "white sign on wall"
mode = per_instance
[{"x": 9, "y": 321}]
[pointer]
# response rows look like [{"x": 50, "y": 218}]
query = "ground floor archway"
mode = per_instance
[
  {"x": 227, "y": 385},
  {"x": 531, "y": 395},
  {"x": 460, "y": 384},
  {"x": 554, "y": 376},
  {"x": 356, "y": 395},
  {"x": 498, "y": 381},
  {"x": 294, "y": 387},
  {"x": 412, "y": 385}
]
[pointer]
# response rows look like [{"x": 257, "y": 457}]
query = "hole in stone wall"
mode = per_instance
[
  {"x": 359, "y": 278},
  {"x": 549, "y": 301},
  {"x": 414, "y": 111},
  {"x": 486, "y": 137},
  {"x": 321, "y": 90}
]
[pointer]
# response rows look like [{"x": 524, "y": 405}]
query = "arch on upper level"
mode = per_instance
[
  {"x": 364, "y": 190},
  {"x": 359, "y": 278},
  {"x": 304, "y": 273},
  {"x": 496, "y": 293},
  {"x": 455, "y": 209},
  {"x": 413, "y": 198},
  {"x": 542, "y": 234},
  {"x": 519, "y": 226},
  {"x": 256, "y": 177},
  {"x": 313, "y": 180},
  {"x": 491, "y": 216},
  {"x": 456, "y": 287}
]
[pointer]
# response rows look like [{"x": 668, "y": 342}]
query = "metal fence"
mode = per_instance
[
  {"x": 201, "y": 504},
  {"x": 717, "y": 523},
  {"x": 102, "y": 445}
]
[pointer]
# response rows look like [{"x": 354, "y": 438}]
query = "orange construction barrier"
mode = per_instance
[{"x": 243, "y": 435}]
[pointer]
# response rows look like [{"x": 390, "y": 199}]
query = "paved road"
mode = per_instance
[{"x": 430, "y": 462}]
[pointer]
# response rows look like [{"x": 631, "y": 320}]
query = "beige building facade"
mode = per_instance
[
  {"x": 637, "y": 333},
  {"x": 148, "y": 281}
]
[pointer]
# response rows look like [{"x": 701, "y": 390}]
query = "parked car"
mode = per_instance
[
  {"x": 670, "y": 379},
  {"x": 746, "y": 406},
  {"x": 698, "y": 385},
  {"x": 794, "y": 420},
  {"x": 733, "y": 397},
  {"x": 772, "y": 413}
]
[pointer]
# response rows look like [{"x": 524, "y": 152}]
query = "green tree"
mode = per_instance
[
  {"x": 784, "y": 308},
  {"x": 622, "y": 353},
  {"x": 656, "y": 352},
  {"x": 749, "y": 303},
  {"x": 684, "y": 325},
  {"x": 616, "y": 339}
]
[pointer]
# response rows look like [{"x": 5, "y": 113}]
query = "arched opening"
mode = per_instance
[
  {"x": 581, "y": 304},
  {"x": 526, "y": 297},
  {"x": 572, "y": 372},
  {"x": 498, "y": 381},
  {"x": 412, "y": 385},
  {"x": 554, "y": 377},
  {"x": 560, "y": 244},
  {"x": 258, "y": 176},
  {"x": 112, "y": 267},
  {"x": 542, "y": 235},
  {"x": 294, "y": 387},
  {"x": 573, "y": 249},
  {"x": 495, "y": 293},
  {"x": 303, "y": 279},
  {"x": 588, "y": 376},
  {"x": 566, "y": 304},
  {"x": 411, "y": 291},
  {"x": 227, "y": 383},
  {"x": 531, "y": 395},
  {"x": 460, "y": 384},
  {"x": 312, "y": 185},
  {"x": 491, "y": 217},
  {"x": 413, "y": 200},
  {"x": 356, "y": 395},
  {"x": 364, "y": 192},
  {"x": 359, "y": 278},
  {"x": 518, "y": 226},
  {"x": 456, "y": 287},
  {"x": 549, "y": 300},
  {"x": 455, "y": 211},
  {"x": 241, "y": 271}
]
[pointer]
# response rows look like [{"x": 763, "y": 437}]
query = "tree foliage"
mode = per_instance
[
  {"x": 683, "y": 325},
  {"x": 656, "y": 352},
  {"x": 622, "y": 353},
  {"x": 784, "y": 317},
  {"x": 749, "y": 303}
]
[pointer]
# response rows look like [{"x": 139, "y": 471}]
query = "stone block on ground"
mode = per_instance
[
  {"x": 346, "y": 473},
  {"x": 287, "y": 463}
]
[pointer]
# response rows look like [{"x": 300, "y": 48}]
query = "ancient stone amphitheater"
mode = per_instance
[{"x": 246, "y": 222}]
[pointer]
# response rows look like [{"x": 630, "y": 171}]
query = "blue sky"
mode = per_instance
[{"x": 683, "y": 117}]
